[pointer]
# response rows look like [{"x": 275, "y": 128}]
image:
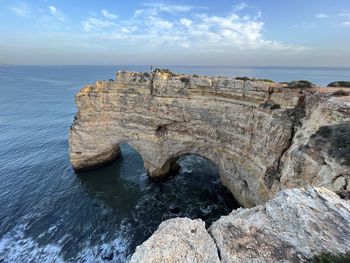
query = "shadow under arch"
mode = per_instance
[
  {"x": 197, "y": 178},
  {"x": 117, "y": 182},
  {"x": 192, "y": 188}
]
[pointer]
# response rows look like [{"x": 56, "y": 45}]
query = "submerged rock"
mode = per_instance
[
  {"x": 178, "y": 240},
  {"x": 174, "y": 209}
]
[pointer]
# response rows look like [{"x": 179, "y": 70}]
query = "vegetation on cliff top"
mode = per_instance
[
  {"x": 344, "y": 84},
  {"x": 330, "y": 258},
  {"x": 254, "y": 79},
  {"x": 302, "y": 84}
]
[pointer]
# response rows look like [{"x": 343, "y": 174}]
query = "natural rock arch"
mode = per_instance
[{"x": 234, "y": 123}]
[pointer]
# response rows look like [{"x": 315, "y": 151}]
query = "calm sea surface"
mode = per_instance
[{"x": 50, "y": 214}]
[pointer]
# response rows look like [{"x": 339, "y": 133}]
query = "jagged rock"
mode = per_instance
[
  {"x": 178, "y": 240},
  {"x": 319, "y": 154},
  {"x": 258, "y": 150},
  {"x": 292, "y": 227}
]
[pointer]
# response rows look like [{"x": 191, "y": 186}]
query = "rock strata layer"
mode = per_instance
[
  {"x": 262, "y": 136},
  {"x": 294, "y": 226}
]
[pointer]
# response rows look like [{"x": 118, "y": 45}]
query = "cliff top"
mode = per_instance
[{"x": 164, "y": 83}]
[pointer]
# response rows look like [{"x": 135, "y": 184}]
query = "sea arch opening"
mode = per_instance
[
  {"x": 197, "y": 180},
  {"x": 193, "y": 180}
]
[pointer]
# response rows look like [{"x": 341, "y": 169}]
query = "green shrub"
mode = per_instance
[
  {"x": 326, "y": 257},
  {"x": 344, "y": 84},
  {"x": 266, "y": 80},
  {"x": 243, "y": 78},
  {"x": 302, "y": 84},
  {"x": 254, "y": 79}
]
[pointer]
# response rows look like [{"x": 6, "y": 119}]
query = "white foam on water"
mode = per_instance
[
  {"x": 14, "y": 247},
  {"x": 114, "y": 251}
]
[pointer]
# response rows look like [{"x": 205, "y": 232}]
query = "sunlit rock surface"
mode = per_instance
[
  {"x": 263, "y": 136},
  {"x": 178, "y": 240},
  {"x": 294, "y": 226}
]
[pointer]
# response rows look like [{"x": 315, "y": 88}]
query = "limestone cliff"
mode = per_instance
[
  {"x": 294, "y": 226},
  {"x": 262, "y": 136}
]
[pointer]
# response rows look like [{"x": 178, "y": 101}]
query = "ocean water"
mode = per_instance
[{"x": 50, "y": 214}]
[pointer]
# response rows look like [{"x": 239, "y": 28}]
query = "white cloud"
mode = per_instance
[
  {"x": 240, "y": 6},
  {"x": 347, "y": 15},
  {"x": 322, "y": 16},
  {"x": 108, "y": 15},
  {"x": 53, "y": 10},
  {"x": 21, "y": 9},
  {"x": 56, "y": 13},
  {"x": 160, "y": 23},
  {"x": 183, "y": 28},
  {"x": 186, "y": 22},
  {"x": 95, "y": 24},
  {"x": 169, "y": 8}
]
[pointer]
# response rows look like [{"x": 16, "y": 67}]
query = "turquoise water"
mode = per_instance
[{"x": 50, "y": 214}]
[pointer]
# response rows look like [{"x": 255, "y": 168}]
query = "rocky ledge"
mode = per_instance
[
  {"x": 294, "y": 226},
  {"x": 263, "y": 136}
]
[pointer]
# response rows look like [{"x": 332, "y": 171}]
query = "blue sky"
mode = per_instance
[{"x": 237, "y": 33}]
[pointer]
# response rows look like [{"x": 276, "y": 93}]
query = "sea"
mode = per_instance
[{"x": 49, "y": 213}]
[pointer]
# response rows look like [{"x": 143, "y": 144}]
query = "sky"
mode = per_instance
[{"x": 210, "y": 33}]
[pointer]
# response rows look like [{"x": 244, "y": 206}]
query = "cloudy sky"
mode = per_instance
[{"x": 237, "y": 33}]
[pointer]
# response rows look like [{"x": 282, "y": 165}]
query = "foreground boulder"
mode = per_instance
[
  {"x": 178, "y": 240},
  {"x": 295, "y": 226}
]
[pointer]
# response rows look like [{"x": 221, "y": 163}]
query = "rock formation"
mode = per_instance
[
  {"x": 294, "y": 226},
  {"x": 263, "y": 136},
  {"x": 178, "y": 240}
]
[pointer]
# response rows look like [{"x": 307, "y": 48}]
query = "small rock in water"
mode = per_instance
[
  {"x": 106, "y": 252},
  {"x": 206, "y": 210},
  {"x": 174, "y": 209},
  {"x": 107, "y": 256}
]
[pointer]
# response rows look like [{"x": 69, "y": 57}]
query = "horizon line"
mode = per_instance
[{"x": 174, "y": 65}]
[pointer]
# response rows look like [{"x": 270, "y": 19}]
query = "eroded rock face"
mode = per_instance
[
  {"x": 249, "y": 129},
  {"x": 178, "y": 240},
  {"x": 292, "y": 227},
  {"x": 320, "y": 152}
]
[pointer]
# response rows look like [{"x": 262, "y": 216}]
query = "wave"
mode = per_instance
[{"x": 15, "y": 247}]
